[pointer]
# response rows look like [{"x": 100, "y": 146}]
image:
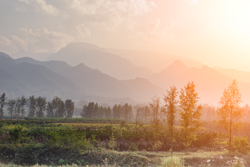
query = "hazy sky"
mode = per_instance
[{"x": 215, "y": 32}]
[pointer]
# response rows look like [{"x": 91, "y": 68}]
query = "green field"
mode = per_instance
[{"x": 47, "y": 143}]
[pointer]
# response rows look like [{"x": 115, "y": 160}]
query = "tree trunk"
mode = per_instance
[{"x": 230, "y": 136}]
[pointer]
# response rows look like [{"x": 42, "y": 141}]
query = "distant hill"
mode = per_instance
[
  {"x": 56, "y": 66},
  {"x": 94, "y": 82},
  {"x": 38, "y": 56},
  {"x": 156, "y": 61},
  {"x": 57, "y": 78},
  {"x": 239, "y": 75},
  {"x": 210, "y": 83},
  {"x": 29, "y": 79},
  {"x": 98, "y": 58}
]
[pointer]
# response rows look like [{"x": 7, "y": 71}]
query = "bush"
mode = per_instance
[
  {"x": 133, "y": 147},
  {"x": 28, "y": 154},
  {"x": 157, "y": 146},
  {"x": 240, "y": 144},
  {"x": 112, "y": 143},
  {"x": 172, "y": 162}
]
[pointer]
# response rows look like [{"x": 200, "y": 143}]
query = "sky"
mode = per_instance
[{"x": 215, "y": 32}]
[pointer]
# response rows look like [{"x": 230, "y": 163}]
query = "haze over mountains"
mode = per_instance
[
  {"x": 156, "y": 61},
  {"x": 97, "y": 58},
  {"x": 26, "y": 76},
  {"x": 88, "y": 72},
  {"x": 210, "y": 83}
]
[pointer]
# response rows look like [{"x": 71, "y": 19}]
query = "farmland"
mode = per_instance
[{"x": 30, "y": 142}]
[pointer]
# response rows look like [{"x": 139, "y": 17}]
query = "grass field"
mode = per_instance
[{"x": 32, "y": 141}]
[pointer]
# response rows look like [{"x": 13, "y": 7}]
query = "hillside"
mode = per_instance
[
  {"x": 98, "y": 58},
  {"x": 57, "y": 78},
  {"x": 156, "y": 61},
  {"x": 210, "y": 83}
]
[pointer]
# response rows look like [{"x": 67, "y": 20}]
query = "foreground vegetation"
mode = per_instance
[
  {"x": 97, "y": 141},
  {"x": 30, "y": 142}
]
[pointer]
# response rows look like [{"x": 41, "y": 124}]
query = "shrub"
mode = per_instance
[
  {"x": 133, "y": 147},
  {"x": 16, "y": 133},
  {"x": 157, "y": 146},
  {"x": 28, "y": 154},
  {"x": 240, "y": 144},
  {"x": 112, "y": 143},
  {"x": 172, "y": 162}
]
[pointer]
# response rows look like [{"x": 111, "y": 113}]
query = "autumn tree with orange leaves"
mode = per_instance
[
  {"x": 190, "y": 114},
  {"x": 229, "y": 112}
]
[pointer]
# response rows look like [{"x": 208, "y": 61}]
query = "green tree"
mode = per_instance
[
  {"x": 146, "y": 113},
  {"x": 171, "y": 103},
  {"x": 11, "y": 107},
  {"x": 84, "y": 111},
  {"x": 116, "y": 113},
  {"x": 138, "y": 114},
  {"x": 2, "y": 103},
  {"x": 61, "y": 110},
  {"x": 88, "y": 110},
  {"x": 23, "y": 102},
  {"x": 102, "y": 111},
  {"x": 155, "y": 110},
  {"x": 31, "y": 104},
  {"x": 41, "y": 106},
  {"x": 128, "y": 112},
  {"x": 18, "y": 107},
  {"x": 190, "y": 114},
  {"x": 96, "y": 111},
  {"x": 229, "y": 112},
  {"x": 120, "y": 111},
  {"x": 49, "y": 110},
  {"x": 108, "y": 112},
  {"x": 69, "y": 108},
  {"x": 58, "y": 107}
]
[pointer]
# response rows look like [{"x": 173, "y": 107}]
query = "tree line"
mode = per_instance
[
  {"x": 185, "y": 103},
  {"x": 36, "y": 107},
  {"x": 93, "y": 110},
  {"x": 181, "y": 104}
]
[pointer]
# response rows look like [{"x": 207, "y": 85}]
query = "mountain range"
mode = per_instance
[
  {"x": 88, "y": 72},
  {"x": 98, "y": 58},
  {"x": 26, "y": 76}
]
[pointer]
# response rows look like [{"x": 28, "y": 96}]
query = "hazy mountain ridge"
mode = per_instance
[
  {"x": 157, "y": 61},
  {"x": 98, "y": 58},
  {"x": 57, "y": 77},
  {"x": 56, "y": 66},
  {"x": 38, "y": 56},
  {"x": 210, "y": 83},
  {"x": 60, "y": 79},
  {"x": 237, "y": 74},
  {"x": 29, "y": 79}
]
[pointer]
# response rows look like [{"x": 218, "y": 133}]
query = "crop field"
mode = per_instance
[{"x": 31, "y": 142}]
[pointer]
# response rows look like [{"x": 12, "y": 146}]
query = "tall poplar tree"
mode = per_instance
[
  {"x": 190, "y": 114},
  {"x": 11, "y": 107},
  {"x": 155, "y": 110},
  {"x": 31, "y": 104},
  {"x": 171, "y": 102},
  {"x": 69, "y": 108},
  {"x": 2, "y": 103},
  {"x": 41, "y": 106},
  {"x": 229, "y": 112}
]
